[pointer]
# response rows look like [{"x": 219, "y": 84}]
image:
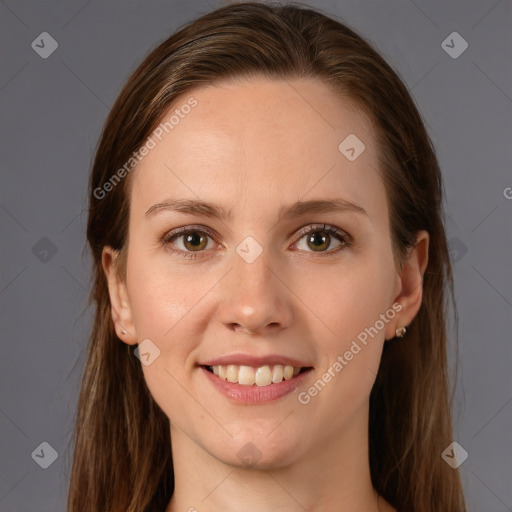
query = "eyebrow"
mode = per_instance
[{"x": 298, "y": 209}]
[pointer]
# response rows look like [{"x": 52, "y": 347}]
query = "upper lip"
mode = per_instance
[{"x": 255, "y": 361}]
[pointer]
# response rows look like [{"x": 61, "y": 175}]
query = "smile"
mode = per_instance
[
  {"x": 261, "y": 376},
  {"x": 253, "y": 385}
]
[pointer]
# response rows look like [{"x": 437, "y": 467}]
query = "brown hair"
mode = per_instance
[{"x": 122, "y": 453}]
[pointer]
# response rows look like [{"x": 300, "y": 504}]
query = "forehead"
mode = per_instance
[{"x": 266, "y": 142}]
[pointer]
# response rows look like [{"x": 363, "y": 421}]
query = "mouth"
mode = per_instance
[
  {"x": 261, "y": 376},
  {"x": 247, "y": 385}
]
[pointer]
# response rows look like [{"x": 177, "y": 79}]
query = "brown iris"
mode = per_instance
[
  {"x": 194, "y": 238},
  {"x": 318, "y": 239}
]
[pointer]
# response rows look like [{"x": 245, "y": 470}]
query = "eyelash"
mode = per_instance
[{"x": 342, "y": 236}]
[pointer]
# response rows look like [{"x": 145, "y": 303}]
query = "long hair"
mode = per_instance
[{"x": 122, "y": 450}]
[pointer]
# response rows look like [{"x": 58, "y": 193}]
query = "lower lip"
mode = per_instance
[{"x": 256, "y": 394}]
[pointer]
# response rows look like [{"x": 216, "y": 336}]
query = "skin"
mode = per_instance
[{"x": 253, "y": 147}]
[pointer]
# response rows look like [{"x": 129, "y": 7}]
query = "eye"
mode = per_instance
[
  {"x": 193, "y": 240},
  {"x": 318, "y": 237}
]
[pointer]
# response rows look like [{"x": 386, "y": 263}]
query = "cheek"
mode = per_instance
[
  {"x": 351, "y": 308},
  {"x": 350, "y": 351},
  {"x": 355, "y": 298},
  {"x": 166, "y": 309},
  {"x": 158, "y": 298},
  {"x": 162, "y": 305}
]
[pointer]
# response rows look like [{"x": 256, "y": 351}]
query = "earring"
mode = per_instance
[
  {"x": 123, "y": 331},
  {"x": 400, "y": 332}
]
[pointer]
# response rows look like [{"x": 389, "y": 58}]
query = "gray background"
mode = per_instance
[{"x": 52, "y": 111}]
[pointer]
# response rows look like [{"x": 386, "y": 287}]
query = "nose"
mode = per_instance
[{"x": 255, "y": 298}]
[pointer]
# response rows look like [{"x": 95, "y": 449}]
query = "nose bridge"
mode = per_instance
[
  {"x": 253, "y": 266},
  {"x": 254, "y": 297}
]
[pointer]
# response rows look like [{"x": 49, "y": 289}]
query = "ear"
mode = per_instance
[
  {"x": 410, "y": 284},
  {"x": 119, "y": 302}
]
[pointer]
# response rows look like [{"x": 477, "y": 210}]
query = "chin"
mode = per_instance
[{"x": 258, "y": 452}]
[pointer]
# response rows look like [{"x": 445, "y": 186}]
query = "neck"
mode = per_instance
[{"x": 334, "y": 474}]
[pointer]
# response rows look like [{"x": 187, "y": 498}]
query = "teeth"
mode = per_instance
[
  {"x": 288, "y": 372},
  {"x": 232, "y": 373},
  {"x": 246, "y": 375},
  {"x": 261, "y": 376},
  {"x": 277, "y": 373}
]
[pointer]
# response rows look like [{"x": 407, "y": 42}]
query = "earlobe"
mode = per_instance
[
  {"x": 119, "y": 302},
  {"x": 411, "y": 284}
]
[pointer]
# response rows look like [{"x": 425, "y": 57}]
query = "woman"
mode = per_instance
[{"x": 271, "y": 270}]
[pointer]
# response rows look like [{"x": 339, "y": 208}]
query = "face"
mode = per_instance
[{"x": 310, "y": 288}]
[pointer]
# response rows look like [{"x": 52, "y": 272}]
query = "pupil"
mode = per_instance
[
  {"x": 193, "y": 239},
  {"x": 313, "y": 239}
]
